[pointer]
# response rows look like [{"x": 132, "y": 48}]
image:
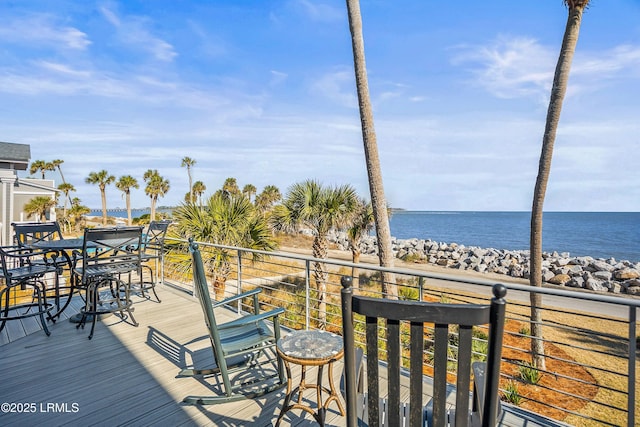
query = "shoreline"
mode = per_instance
[{"x": 581, "y": 272}]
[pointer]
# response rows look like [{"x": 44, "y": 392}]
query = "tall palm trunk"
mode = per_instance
[
  {"x": 128, "y": 201},
  {"x": 355, "y": 259},
  {"x": 378, "y": 201},
  {"x": 103, "y": 196},
  {"x": 320, "y": 250},
  {"x": 152, "y": 216},
  {"x": 558, "y": 91}
]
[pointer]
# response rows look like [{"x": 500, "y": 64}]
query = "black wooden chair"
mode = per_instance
[
  {"x": 153, "y": 255},
  {"x": 108, "y": 255},
  {"x": 22, "y": 284},
  {"x": 239, "y": 345},
  {"x": 365, "y": 403}
]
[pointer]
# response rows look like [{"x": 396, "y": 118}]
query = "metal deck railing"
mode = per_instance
[{"x": 591, "y": 340}]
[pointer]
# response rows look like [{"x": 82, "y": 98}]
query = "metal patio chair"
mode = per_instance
[
  {"x": 103, "y": 269},
  {"x": 238, "y": 346},
  {"x": 153, "y": 256},
  {"x": 38, "y": 235},
  {"x": 22, "y": 284},
  {"x": 364, "y": 403}
]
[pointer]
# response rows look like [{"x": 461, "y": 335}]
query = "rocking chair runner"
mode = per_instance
[
  {"x": 237, "y": 345},
  {"x": 368, "y": 407}
]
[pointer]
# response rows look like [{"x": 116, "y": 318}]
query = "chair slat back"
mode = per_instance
[
  {"x": 202, "y": 292},
  {"x": 116, "y": 249},
  {"x": 386, "y": 320},
  {"x": 155, "y": 234},
  {"x": 28, "y": 233}
]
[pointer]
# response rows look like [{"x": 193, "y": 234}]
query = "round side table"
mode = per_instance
[{"x": 310, "y": 348}]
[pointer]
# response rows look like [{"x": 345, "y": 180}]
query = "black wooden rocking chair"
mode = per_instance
[
  {"x": 365, "y": 404},
  {"x": 237, "y": 345}
]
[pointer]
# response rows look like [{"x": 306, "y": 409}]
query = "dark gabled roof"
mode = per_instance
[{"x": 17, "y": 155}]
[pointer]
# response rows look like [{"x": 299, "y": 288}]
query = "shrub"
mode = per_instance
[
  {"x": 529, "y": 373},
  {"x": 510, "y": 393}
]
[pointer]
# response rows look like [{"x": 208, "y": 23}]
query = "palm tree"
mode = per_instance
[
  {"x": 230, "y": 187},
  {"x": 321, "y": 209},
  {"x": 558, "y": 91},
  {"x": 361, "y": 226},
  {"x": 249, "y": 190},
  {"x": 38, "y": 207},
  {"x": 56, "y": 165},
  {"x": 265, "y": 200},
  {"x": 38, "y": 166},
  {"x": 378, "y": 201},
  {"x": 102, "y": 179},
  {"x": 66, "y": 188},
  {"x": 188, "y": 162},
  {"x": 125, "y": 184},
  {"x": 225, "y": 220},
  {"x": 77, "y": 211},
  {"x": 198, "y": 190},
  {"x": 156, "y": 187}
]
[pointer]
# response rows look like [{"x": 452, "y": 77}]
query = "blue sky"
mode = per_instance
[{"x": 263, "y": 91}]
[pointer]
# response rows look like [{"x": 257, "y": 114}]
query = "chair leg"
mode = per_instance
[
  {"x": 42, "y": 295},
  {"x": 5, "y": 310}
]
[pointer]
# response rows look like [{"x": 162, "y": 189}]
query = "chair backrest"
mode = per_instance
[
  {"x": 201, "y": 290},
  {"x": 28, "y": 233},
  {"x": 416, "y": 317},
  {"x": 115, "y": 248},
  {"x": 155, "y": 234}
]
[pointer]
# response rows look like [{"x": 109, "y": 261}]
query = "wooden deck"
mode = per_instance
[{"x": 127, "y": 375}]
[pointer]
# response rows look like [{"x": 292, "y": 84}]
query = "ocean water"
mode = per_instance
[{"x": 596, "y": 234}]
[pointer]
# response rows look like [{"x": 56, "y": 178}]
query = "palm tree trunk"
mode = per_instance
[
  {"x": 103, "y": 196},
  {"x": 558, "y": 92},
  {"x": 61, "y": 175},
  {"x": 320, "y": 250},
  {"x": 355, "y": 258},
  {"x": 152, "y": 217},
  {"x": 378, "y": 200},
  {"x": 190, "y": 186},
  {"x": 128, "y": 199}
]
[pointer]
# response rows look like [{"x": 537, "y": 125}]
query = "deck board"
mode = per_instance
[{"x": 128, "y": 375}]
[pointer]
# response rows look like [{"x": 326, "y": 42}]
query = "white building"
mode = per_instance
[{"x": 16, "y": 192}]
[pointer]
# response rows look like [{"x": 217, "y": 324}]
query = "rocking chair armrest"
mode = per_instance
[
  {"x": 236, "y": 297},
  {"x": 252, "y": 318}
]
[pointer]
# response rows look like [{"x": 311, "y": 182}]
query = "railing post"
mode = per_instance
[
  {"x": 421, "y": 288},
  {"x": 631, "y": 398},
  {"x": 348, "y": 334},
  {"x": 239, "y": 280},
  {"x": 307, "y": 296}
]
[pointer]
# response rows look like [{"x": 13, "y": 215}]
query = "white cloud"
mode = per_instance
[
  {"x": 43, "y": 30},
  {"x": 337, "y": 86},
  {"x": 319, "y": 11},
  {"x": 277, "y": 77},
  {"x": 520, "y": 67},
  {"x": 134, "y": 32},
  {"x": 511, "y": 67}
]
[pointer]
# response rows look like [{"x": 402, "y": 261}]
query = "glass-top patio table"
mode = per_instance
[{"x": 61, "y": 244}]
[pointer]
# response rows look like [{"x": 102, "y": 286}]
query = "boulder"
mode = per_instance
[
  {"x": 626, "y": 274},
  {"x": 603, "y": 275},
  {"x": 595, "y": 285},
  {"x": 560, "y": 279}
]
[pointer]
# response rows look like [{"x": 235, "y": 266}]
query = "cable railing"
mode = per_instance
[{"x": 591, "y": 340}]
